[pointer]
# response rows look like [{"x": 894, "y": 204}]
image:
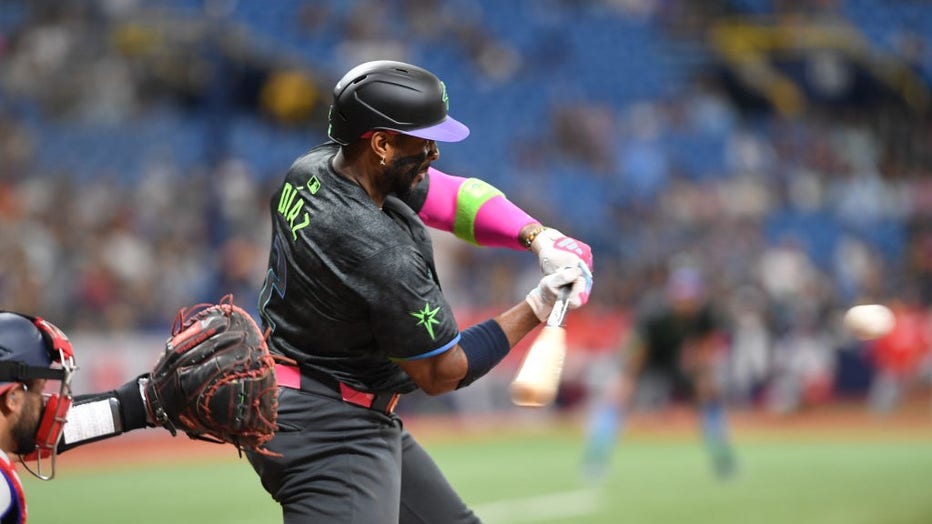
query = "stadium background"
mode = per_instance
[{"x": 782, "y": 147}]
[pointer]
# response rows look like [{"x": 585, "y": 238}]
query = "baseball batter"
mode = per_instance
[{"x": 352, "y": 297}]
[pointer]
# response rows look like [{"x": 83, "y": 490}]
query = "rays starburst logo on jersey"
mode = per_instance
[{"x": 427, "y": 317}]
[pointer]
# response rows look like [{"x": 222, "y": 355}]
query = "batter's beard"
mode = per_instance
[
  {"x": 26, "y": 426},
  {"x": 402, "y": 173}
]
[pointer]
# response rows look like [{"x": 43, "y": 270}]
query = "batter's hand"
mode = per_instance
[
  {"x": 543, "y": 297},
  {"x": 555, "y": 250}
]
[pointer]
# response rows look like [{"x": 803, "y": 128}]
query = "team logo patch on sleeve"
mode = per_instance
[{"x": 427, "y": 317}]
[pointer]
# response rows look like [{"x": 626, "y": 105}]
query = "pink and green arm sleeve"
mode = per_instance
[{"x": 473, "y": 210}]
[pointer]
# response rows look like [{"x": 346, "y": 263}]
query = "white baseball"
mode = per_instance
[{"x": 869, "y": 321}]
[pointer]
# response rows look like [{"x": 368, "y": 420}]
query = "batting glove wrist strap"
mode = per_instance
[
  {"x": 539, "y": 304},
  {"x": 555, "y": 250}
]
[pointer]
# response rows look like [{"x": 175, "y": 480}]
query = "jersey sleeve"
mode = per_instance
[{"x": 410, "y": 317}]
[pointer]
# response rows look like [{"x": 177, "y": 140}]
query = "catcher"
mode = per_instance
[{"x": 214, "y": 381}]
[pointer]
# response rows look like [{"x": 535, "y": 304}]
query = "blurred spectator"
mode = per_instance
[
  {"x": 583, "y": 132},
  {"x": 17, "y": 148},
  {"x": 790, "y": 280},
  {"x": 367, "y": 36},
  {"x": 901, "y": 357},
  {"x": 749, "y": 365},
  {"x": 290, "y": 96},
  {"x": 643, "y": 163},
  {"x": 803, "y": 364}
]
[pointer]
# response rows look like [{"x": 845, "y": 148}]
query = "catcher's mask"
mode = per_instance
[
  {"x": 393, "y": 96},
  {"x": 32, "y": 348}
]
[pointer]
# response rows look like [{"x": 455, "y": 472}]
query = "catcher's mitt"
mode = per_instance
[{"x": 215, "y": 380}]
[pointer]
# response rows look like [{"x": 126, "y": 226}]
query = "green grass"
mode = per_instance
[
  {"x": 202, "y": 492},
  {"x": 533, "y": 477}
]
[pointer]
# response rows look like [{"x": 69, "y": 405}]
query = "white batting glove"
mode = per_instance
[
  {"x": 543, "y": 297},
  {"x": 555, "y": 250}
]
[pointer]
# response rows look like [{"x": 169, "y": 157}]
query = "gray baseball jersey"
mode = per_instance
[{"x": 351, "y": 288}]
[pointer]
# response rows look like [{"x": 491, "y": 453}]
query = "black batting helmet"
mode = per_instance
[{"x": 394, "y": 96}]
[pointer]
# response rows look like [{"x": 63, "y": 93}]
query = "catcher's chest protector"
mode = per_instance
[{"x": 16, "y": 511}]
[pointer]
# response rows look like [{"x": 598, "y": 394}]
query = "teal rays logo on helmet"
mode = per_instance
[{"x": 443, "y": 96}]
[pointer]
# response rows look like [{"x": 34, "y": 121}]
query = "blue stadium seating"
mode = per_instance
[{"x": 589, "y": 50}]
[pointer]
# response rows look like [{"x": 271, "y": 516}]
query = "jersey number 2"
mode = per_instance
[{"x": 276, "y": 279}]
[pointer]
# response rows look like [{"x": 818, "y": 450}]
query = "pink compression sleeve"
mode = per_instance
[{"x": 473, "y": 210}]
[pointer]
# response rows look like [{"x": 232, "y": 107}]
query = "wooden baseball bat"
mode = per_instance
[{"x": 537, "y": 380}]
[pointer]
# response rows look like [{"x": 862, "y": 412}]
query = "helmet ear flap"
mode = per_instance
[
  {"x": 340, "y": 127},
  {"x": 338, "y": 124}
]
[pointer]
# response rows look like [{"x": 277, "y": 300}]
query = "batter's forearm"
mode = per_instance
[
  {"x": 474, "y": 211},
  {"x": 517, "y": 322}
]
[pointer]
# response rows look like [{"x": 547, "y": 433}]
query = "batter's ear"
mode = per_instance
[
  {"x": 11, "y": 400},
  {"x": 379, "y": 142}
]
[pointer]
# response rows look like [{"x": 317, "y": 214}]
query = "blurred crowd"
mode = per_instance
[{"x": 791, "y": 219}]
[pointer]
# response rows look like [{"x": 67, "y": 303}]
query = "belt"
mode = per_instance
[{"x": 318, "y": 382}]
